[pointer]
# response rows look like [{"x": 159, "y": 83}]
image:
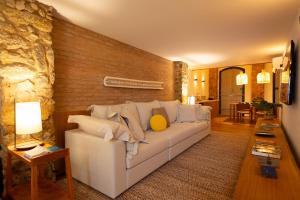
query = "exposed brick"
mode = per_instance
[
  {"x": 257, "y": 89},
  {"x": 83, "y": 58},
  {"x": 213, "y": 83}
]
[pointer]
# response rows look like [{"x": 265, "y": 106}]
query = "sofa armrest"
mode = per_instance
[
  {"x": 97, "y": 163},
  {"x": 204, "y": 113}
]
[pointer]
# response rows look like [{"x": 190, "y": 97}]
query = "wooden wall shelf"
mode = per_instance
[{"x": 110, "y": 81}]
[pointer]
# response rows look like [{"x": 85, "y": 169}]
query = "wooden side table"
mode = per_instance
[{"x": 39, "y": 187}]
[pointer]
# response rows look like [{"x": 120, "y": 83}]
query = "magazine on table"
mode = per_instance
[
  {"x": 266, "y": 150},
  {"x": 35, "y": 152}
]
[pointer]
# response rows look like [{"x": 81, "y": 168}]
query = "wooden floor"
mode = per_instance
[{"x": 223, "y": 123}]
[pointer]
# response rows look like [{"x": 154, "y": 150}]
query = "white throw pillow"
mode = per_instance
[
  {"x": 145, "y": 112},
  {"x": 100, "y": 127},
  {"x": 171, "y": 109},
  {"x": 103, "y": 111},
  {"x": 186, "y": 113},
  {"x": 98, "y": 111}
]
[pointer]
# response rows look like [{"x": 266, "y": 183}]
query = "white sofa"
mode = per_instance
[{"x": 106, "y": 167}]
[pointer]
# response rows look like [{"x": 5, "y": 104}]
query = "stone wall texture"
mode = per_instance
[
  {"x": 181, "y": 81},
  {"x": 26, "y": 58},
  {"x": 26, "y": 63},
  {"x": 83, "y": 58}
]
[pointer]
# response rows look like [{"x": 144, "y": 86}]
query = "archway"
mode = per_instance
[{"x": 229, "y": 91}]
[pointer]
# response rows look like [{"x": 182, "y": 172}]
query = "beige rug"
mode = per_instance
[{"x": 207, "y": 170}]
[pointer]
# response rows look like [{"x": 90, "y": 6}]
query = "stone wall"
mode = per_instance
[
  {"x": 26, "y": 62},
  {"x": 181, "y": 81}
]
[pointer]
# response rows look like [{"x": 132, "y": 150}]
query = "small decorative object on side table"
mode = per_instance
[{"x": 39, "y": 188}]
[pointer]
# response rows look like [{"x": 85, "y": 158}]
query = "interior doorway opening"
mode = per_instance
[{"x": 229, "y": 91}]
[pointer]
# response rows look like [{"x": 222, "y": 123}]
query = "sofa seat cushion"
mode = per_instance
[
  {"x": 178, "y": 132},
  {"x": 155, "y": 145}
]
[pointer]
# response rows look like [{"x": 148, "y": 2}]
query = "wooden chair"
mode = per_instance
[
  {"x": 259, "y": 114},
  {"x": 242, "y": 109}
]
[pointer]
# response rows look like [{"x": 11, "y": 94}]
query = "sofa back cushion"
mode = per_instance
[
  {"x": 145, "y": 112},
  {"x": 98, "y": 111},
  {"x": 186, "y": 113},
  {"x": 171, "y": 109}
]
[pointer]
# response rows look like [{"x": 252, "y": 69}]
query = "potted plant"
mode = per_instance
[{"x": 262, "y": 105}]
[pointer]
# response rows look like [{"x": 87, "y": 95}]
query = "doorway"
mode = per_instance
[{"x": 229, "y": 91}]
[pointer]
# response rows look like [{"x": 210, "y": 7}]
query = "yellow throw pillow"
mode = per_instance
[{"x": 158, "y": 123}]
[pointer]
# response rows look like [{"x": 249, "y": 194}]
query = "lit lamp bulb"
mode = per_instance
[
  {"x": 28, "y": 120},
  {"x": 242, "y": 79},
  {"x": 263, "y": 77}
]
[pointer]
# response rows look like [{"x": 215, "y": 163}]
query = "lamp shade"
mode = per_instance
[
  {"x": 242, "y": 79},
  {"x": 28, "y": 118},
  {"x": 263, "y": 77},
  {"x": 191, "y": 100}
]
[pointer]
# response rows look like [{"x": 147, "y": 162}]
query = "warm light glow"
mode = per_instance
[
  {"x": 184, "y": 89},
  {"x": 263, "y": 77},
  {"x": 195, "y": 79},
  {"x": 203, "y": 78},
  {"x": 203, "y": 59},
  {"x": 279, "y": 63},
  {"x": 274, "y": 49},
  {"x": 285, "y": 76},
  {"x": 28, "y": 118},
  {"x": 242, "y": 79},
  {"x": 196, "y": 59},
  {"x": 192, "y": 100}
]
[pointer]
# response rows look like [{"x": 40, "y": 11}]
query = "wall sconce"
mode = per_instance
[
  {"x": 242, "y": 79},
  {"x": 263, "y": 77},
  {"x": 203, "y": 80},
  {"x": 195, "y": 79}
]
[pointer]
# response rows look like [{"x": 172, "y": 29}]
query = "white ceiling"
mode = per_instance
[{"x": 203, "y": 33}]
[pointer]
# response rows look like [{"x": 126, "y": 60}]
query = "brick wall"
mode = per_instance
[
  {"x": 213, "y": 82},
  {"x": 83, "y": 58},
  {"x": 257, "y": 89}
]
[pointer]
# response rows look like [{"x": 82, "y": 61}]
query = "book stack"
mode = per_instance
[{"x": 266, "y": 149}]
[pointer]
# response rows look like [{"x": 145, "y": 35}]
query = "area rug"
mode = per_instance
[{"x": 207, "y": 170}]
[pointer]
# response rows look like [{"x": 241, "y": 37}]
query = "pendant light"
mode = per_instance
[
  {"x": 242, "y": 79},
  {"x": 263, "y": 77},
  {"x": 285, "y": 77}
]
